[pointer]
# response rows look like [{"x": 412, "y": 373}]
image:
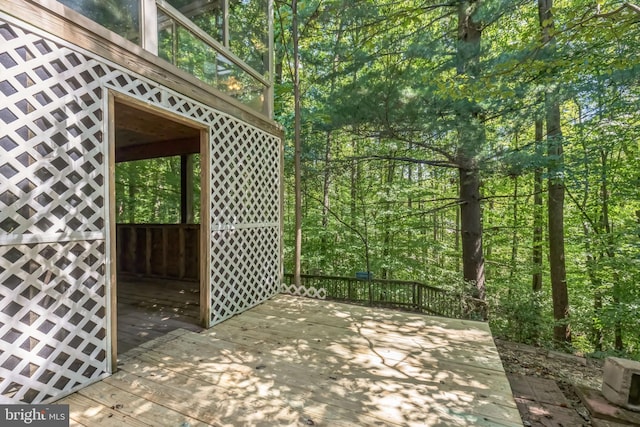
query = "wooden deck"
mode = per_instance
[
  {"x": 150, "y": 308},
  {"x": 295, "y": 361}
]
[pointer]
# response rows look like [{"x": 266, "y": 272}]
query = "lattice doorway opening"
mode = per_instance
[{"x": 157, "y": 282}]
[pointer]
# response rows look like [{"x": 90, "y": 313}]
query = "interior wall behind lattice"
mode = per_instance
[{"x": 53, "y": 210}]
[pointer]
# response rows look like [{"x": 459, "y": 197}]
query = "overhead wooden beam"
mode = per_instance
[{"x": 174, "y": 147}]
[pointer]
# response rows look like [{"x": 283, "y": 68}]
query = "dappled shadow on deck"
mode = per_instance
[
  {"x": 295, "y": 361},
  {"x": 150, "y": 308}
]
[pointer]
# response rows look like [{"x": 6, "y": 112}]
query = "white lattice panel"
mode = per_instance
[
  {"x": 52, "y": 295},
  {"x": 52, "y": 318},
  {"x": 245, "y": 195},
  {"x": 51, "y": 152},
  {"x": 245, "y": 175},
  {"x": 244, "y": 269},
  {"x": 245, "y": 215},
  {"x": 304, "y": 291},
  {"x": 53, "y": 306}
]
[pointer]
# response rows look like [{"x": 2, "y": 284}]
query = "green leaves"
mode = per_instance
[{"x": 383, "y": 100}]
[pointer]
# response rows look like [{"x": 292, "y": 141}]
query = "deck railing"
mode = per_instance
[
  {"x": 169, "y": 251},
  {"x": 397, "y": 294}
]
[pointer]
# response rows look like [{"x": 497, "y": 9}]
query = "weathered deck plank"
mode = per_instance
[
  {"x": 148, "y": 309},
  {"x": 292, "y": 361}
]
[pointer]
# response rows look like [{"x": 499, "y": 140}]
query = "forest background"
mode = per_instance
[{"x": 489, "y": 147}]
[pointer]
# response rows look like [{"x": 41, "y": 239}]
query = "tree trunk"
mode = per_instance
[
  {"x": 387, "y": 239},
  {"x": 326, "y": 185},
  {"x": 608, "y": 229},
  {"x": 514, "y": 236},
  {"x": 471, "y": 138},
  {"x": 297, "y": 144},
  {"x": 537, "y": 216},
  {"x": 561, "y": 329},
  {"x": 471, "y": 227},
  {"x": 132, "y": 193}
]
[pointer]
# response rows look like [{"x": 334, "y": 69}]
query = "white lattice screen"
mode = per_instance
[
  {"x": 53, "y": 223},
  {"x": 245, "y": 218},
  {"x": 53, "y": 316}
]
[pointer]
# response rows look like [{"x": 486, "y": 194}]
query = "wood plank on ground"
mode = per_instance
[
  {"x": 334, "y": 313},
  {"x": 597, "y": 422},
  {"x": 467, "y": 347},
  {"x": 537, "y": 389},
  {"x": 293, "y": 361},
  {"x": 542, "y": 403},
  {"x": 241, "y": 381},
  {"x": 225, "y": 404},
  {"x": 409, "y": 368},
  {"x": 540, "y": 414}
]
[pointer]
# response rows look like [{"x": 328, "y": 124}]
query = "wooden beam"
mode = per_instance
[{"x": 175, "y": 147}]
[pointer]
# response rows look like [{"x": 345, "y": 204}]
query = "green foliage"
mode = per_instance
[
  {"x": 519, "y": 314},
  {"x": 148, "y": 191},
  {"x": 382, "y": 101}
]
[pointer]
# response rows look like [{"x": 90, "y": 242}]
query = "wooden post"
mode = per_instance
[
  {"x": 165, "y": 250},
  {"x": 148, "y": 249},
  {"x": 131, "y": 249},
  {"x": 149, "y": 30},
  {"x": 204, "y": 238},
  {"x": 182, "y": 243},
  {"x": 186, "y": 189}
]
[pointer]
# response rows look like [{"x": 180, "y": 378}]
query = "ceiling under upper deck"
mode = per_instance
[{"x": 142, "y": 134}]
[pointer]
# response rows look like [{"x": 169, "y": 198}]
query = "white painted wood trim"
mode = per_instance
[
  {"x": 28, "y": 239},
  {"x": 149, "y": 25}
]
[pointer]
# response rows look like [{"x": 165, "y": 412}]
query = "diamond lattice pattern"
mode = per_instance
[
  {"x": 245, "y": 215},
  {"x": 52, "y": 207},
  {"x": 53, "y": 231},
  {"x": 52, "y": 318}
]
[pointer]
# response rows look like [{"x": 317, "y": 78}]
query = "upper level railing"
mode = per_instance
[
  {"x": 398, "y": 294},
  {"x": 227, "y": 44}
]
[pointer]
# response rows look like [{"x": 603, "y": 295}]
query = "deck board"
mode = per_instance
[
  {"x": 295, "y": 361},
  {"x": 150, "y": 308}
]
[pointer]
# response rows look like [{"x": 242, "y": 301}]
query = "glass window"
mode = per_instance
[
  {"x": 248, "y": 27},
  {"x": 206, "y": 14},
  {"x": 183, "y": 48},
  {"x": 249, "y": 32},
  {"x": 120, "y": 16}
]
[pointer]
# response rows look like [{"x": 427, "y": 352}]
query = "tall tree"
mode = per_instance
[
  {"x": 561, "y": 329},
  {"x": 297, "y": 138},
  {"x": 537, "y": 213},
  {"x": 471, "y": 136}
]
